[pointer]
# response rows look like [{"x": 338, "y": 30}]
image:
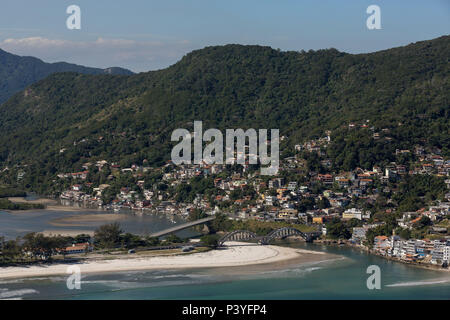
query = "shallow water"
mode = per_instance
[{"x": 19, "y": 223}]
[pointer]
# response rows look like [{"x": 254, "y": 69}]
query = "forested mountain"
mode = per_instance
[
  {"x": 68, "y": 118},
  {"x": 16, "y": 72}
]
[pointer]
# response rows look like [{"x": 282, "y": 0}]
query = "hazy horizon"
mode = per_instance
[
  {"x": 151, "y": 35},
  {"x": 114, "y": 66}
]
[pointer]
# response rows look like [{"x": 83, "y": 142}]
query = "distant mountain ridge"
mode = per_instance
[{"x": 18, "y": 72}]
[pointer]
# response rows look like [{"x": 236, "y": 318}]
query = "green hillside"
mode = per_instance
[{"x": 130, "y": 118}]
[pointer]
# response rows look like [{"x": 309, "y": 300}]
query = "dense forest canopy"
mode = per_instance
[
  {"x": 16, "y": 72},
  {"x": 60, "y": 122}
]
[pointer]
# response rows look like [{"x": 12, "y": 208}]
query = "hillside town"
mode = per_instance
[{"x": 362, "y": 207}]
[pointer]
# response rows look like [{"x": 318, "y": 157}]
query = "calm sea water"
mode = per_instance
[
  {"x": 19, "y": 223},
  {"x": 343, "y": 277}
]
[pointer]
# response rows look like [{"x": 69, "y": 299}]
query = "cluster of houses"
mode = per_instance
[
  {"x": 430, "y": 163},
  {"x": 408, "y": 220},
  {"x": 414, "y": 250},
  {"x": 277, "y": 198},
  {"x": 434, "y": 213},
  {"x": 185, "y": 172},
  {"x": 77, "y": 195},
  {"x": 315, "y": 145}
]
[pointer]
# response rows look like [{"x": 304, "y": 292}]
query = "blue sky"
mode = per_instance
[{"x": 146, "y": 35}]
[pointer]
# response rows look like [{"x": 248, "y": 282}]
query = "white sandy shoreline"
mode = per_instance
[{"x": 235, "y": 254}]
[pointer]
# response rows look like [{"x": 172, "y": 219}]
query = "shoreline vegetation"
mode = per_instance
[
  {"x": 8, "y": 205},
  {"x": 53, "y": 205},
  {"x": 41, "y": 204},
  {"x": 14, "y": 199}
]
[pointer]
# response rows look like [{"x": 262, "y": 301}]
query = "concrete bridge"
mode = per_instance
[
  {"x": 281, "y": 233},
  {"x": 182, "y": 226}
]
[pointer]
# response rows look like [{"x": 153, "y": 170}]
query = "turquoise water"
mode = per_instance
[{"x": 343, "y": 277}]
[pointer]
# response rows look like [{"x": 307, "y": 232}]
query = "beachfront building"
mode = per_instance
[
  {"x": 381, "y": 244},
  {"x": 395, "y": 247},
  {"x": 446, "y": 254},
  {"x": 408, "y": 250},
  {"x": 78, "y": 248},
  {"x": 359, "y": 234},
  {"x": 441, "y": 252}
]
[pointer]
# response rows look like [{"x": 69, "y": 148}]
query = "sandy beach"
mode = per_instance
[
  {"x": 234, "y": 254},
  {"x": 69, "y": 208}
]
